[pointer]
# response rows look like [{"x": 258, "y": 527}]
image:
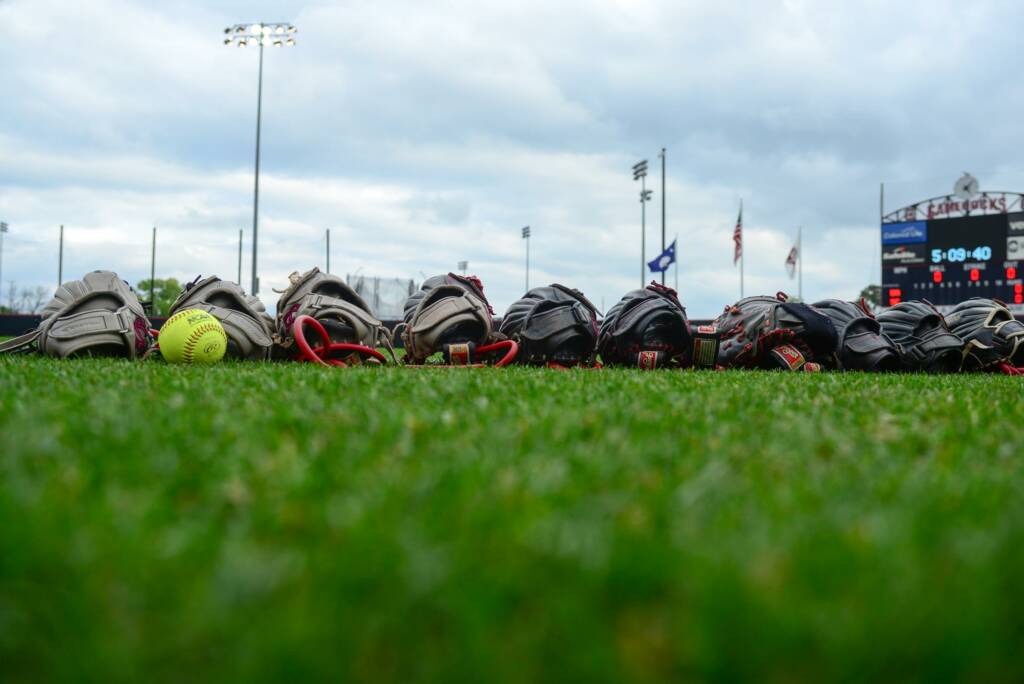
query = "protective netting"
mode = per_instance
[{"x": 384, "y": 295}]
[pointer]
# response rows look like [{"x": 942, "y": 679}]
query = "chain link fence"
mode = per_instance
[{"x": 386, "y": 296}]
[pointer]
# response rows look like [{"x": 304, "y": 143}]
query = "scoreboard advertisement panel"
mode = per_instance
[{"x": 947, "y": 259}]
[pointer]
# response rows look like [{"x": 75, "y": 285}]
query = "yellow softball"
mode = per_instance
[{"x": 192, "y": 336}]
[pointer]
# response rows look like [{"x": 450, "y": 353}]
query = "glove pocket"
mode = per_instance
[
  {"x": 439, "y": 315},
  {"x": 868, "y": 351}
]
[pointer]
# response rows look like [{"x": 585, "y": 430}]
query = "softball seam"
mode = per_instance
[
  {"x": 195, "y": 336},
  {"x": 178, "y": 316}
]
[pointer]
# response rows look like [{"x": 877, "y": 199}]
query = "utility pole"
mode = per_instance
[
  {"x": 526, "y": 236},
  {"x": 60, "y": 258},
  {"x": 262, "y": 35},
  {"x": 152, "y": 275},
  {"x": 328, "y": 251},
  {"x": 662, "y": 155},
  {"x": 3, "y": 230},
  {"x": 239, "y": 280}
]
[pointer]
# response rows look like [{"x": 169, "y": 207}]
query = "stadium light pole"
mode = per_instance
[
  {"x": 239, "y": 281},
  {"x": 328, "y": 247},
  {"x": 261, "y": 34},
  {"x": 662, "y": 155},
  {"x": 3, "y": 229},
  {"x": 640, "y": 174},
  {"x": 526, "y": 236},
  {"x": 463, "y": 266}
]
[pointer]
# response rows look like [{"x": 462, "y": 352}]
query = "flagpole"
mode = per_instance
[
  {"x": 675, "y": 241},
  {"x": 881, "y": 218},
  {"x": 743, "y": 252},
  {"x": 800, "y": 262}
]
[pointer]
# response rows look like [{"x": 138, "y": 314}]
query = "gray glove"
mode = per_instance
[
  {"x": 448, "y": 314},
  {"x": 245, "y": 320},
  {"x": 330, "y": 300},
  {"x": 99, "y": 315}
]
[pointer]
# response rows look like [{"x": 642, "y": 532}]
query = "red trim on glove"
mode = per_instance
[
  {"x": 511, "y": 347},
  {"x": 322, "y": 354}
]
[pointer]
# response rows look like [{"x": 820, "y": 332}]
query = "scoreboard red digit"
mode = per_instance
[{"x": 947, "y": 250}]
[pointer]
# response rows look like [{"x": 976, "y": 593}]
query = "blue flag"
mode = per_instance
[{"x": 661, "y": 263}]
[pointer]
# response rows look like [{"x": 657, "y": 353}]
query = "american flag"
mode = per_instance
[
  {"x": 794, "y": 254},
  {"x": 737, "y": 237}
]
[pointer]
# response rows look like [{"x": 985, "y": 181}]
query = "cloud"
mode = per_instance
[{"x": 425, "y": 134}]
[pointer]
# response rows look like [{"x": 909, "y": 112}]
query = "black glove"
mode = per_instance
[
  {"x": 922, "y": 337},
  {"x": 862, "y": 346},
  {"x": 553, "y": 325},
  {"x": 993, "y": 338},
  {"x": 647, "y": 329},
  {"x": 771, "y": 332}
]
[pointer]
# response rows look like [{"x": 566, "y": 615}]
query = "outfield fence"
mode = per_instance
[{"x": 386, "y": 296}]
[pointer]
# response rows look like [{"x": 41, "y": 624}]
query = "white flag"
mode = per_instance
[{"x": 794, "y": 254}]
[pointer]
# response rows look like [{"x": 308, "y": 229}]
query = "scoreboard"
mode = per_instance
[{"x": 947, "y": 259}]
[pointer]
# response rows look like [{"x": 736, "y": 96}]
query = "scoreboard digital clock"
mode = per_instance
[
  {"x": 927, "y": 253},
  {"x": 957, "y": 254}
]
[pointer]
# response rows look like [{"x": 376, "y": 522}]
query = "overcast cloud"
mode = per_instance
[{"x": 423, "y": 134}]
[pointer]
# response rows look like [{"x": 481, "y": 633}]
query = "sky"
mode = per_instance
[{"x": 424, "y": 134}]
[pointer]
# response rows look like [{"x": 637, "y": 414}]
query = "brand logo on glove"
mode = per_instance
[
  {"x": 789, "y": 355},
  {"x": 647, "y": 360},
  {"x": 458, "y": 354},
  {"x": 705, "y": 346}
]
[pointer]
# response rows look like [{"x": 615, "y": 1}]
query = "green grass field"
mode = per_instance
[{"x": 286, "y": 522}]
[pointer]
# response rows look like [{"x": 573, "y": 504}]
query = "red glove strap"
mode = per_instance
[{"x": 321, "y": 355}]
